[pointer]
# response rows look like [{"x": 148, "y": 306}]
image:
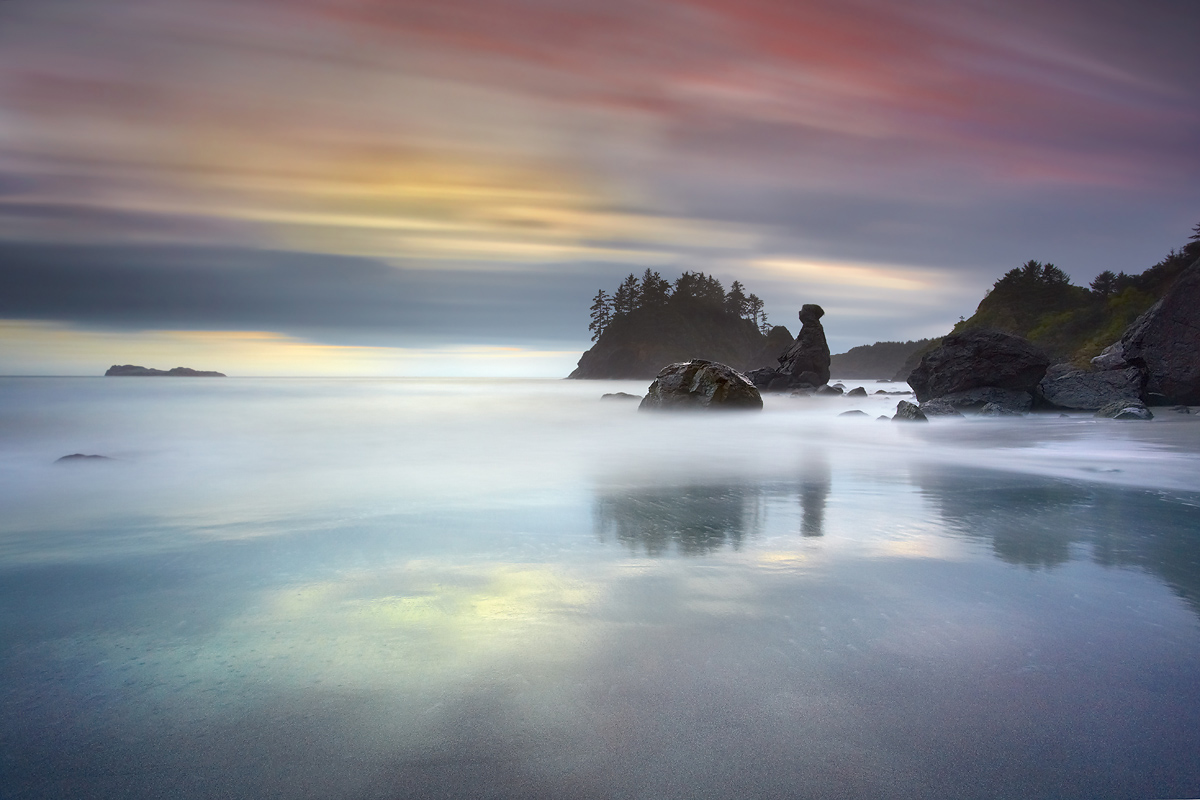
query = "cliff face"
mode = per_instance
[{"x": 642, "y": 343}]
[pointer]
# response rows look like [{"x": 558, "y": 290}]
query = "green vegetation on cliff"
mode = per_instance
[
  {"x": 648, "y": 323},
  {"x": 1072, "y": 323}
]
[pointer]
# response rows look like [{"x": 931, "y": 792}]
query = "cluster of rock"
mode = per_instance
[
  {"x": 1155, "y": 363},
  {"x": 134, "y": 371},
  {"x": 805, "y": 364}
]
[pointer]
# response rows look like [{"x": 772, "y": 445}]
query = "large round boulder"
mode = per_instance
[
  {"x": 976, "y": 359},
  {"x": 699, "y": 384}
]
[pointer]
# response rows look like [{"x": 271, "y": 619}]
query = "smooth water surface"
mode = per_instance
[{"x": 442, "y": 588}]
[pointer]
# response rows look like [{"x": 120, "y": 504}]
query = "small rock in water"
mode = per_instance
[
  {"x": 853, "y": 413},
  {"x": 1126, "y": 409},
  {"x": 829, "y": 390},
  {"x": 997, "y": 410},
  {"x": 857, "y": 391},
  {"x": 940, "y": 407},
  {"x": 909, "y": 412},
  {"x": 1182, "y": 410},
  {"x": 75, "y": 457},
  {"x": 620, "y": 396}
]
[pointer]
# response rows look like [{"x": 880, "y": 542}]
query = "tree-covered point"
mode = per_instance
[
  {"x": 692, "y": 291},
  {"x": 1074, "y": 323},
  {"x": 649, "y": 322}
]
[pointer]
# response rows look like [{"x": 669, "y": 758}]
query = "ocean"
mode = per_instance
[{"x": 435, "y": 588}]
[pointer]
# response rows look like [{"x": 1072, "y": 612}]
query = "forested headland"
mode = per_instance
[
  {"x": 1074, "y": 323},
  {"x": 649, "y": 322}
]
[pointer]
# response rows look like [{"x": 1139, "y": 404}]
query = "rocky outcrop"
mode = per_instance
[
  {"x": 1164, "y": 344},
  {"x": 978, "y": 359},
  {"x": 131, "y": 371},
  {"x": 701, "y": 385},
  {"x": 75, "y": 458},
  {"x": 1126, "y": 409},
  {"x": 804, "y": 365},
  {"x": 1067, "y": 387}
]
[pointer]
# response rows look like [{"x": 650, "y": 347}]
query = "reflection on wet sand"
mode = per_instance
[
  {"x": 815, "y": 485},
  {"x": 695, "y": 520},
  {"x": 699, "y": 519},
  {"x": 1041, "y": 524}
]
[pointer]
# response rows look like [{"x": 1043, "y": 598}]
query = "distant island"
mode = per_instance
[
  {"x": 650, "y": 322},
  {"x": 133, "y": 371}
]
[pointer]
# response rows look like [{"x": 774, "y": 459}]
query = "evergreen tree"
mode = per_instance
[
  {"x": 735, "y": 300},
  {"x": 628, "y": 297},
  {"x": 1105, "y": 283},
  {"x": 601, "y": 314},
  {"x": 755, "y": 307},
  {"x": 655, "y": 290}
]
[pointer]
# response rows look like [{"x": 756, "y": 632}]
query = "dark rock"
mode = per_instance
[
  {"x": 1088, "y": 391},
  {"x": 976, "y": 359},
  {"x": 857, "y": 391},
  {"x": 939, "y": 407},
  {"x": 1164, "y": 342},
  {"x": 853, "y": 413},
  {"x": 997, "y": 410},
  {"x": 620, "y": 396},
  {"x": 132, "y": 371},
  {"x": 808, "y": 357},
  {"x": 883, "y": 418},
  {"x": 77, "y": 457},
  {"x": 973, "y": 399},
  {"x": 1125, "y": 409},
  {"x": 1181, "y": 410},
  {"x": 841, "y": 386},
  {"x": 829, "y": 390},
  {"x": 909, "y": 412},
  {"x": 699, "y": 384},
  {"x": 780, "y": 383}
]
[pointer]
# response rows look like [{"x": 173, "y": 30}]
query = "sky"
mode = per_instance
[{"x": 439, "y": 187}]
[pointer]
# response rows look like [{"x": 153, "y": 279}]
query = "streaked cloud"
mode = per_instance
[{"x": 910, "y": 152}]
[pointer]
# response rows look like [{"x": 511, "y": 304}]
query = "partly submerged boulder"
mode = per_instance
[
  {"x": 625, "y": 396},
  {"x": 909, "y": 412},
  {"x": 977, "y": 359},
  {"x": 699, "y": 384},
  {"x": 939, "y": 407},
  {"x": 1066, "y": 387},
  {"x": 1164, "y": 343},
  {"x": 976, "y": 399}
]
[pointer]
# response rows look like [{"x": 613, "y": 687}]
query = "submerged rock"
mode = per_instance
[
  {"x": 699, "y": 384},
  {"x": 620, "y": 396},
  {"x": 77, "y": 457},
  {"x": 853, "y": 413},
  {"x": 857, "y": 391},
  {"x": 829, "y": 390},
  {"x": 1126, "y": 409},
  {"x": 977, "y": 359},
  {"x": 976, "y": 399}
]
